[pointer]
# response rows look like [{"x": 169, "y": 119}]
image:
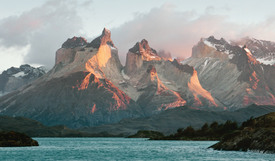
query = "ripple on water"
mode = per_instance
[{"x": 124, "y": 149}]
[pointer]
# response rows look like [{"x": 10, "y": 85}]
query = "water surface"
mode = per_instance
[{"x": 124, "y": 149}]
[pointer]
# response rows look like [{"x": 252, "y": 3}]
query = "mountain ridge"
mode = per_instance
[{"x": 88, "y": 86}]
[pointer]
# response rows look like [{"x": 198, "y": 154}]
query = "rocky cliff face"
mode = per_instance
[
  {"x": 14, "y": 78},
  {"x": 157, "y": 84},
  {"x": 139, "y": 53},
  {"x": 262, "y": 50},
  {"x": 155, "y": 95},
  {"x": 79, "y": 91},
  {"x": 15, "y": 139},
  {"x": 88, "y": 86},
  {"x": 255, "y": 135},
  {"x": 232, "y": 74}
]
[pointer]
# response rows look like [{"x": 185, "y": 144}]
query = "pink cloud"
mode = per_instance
[{"x": 177, "y": 32}]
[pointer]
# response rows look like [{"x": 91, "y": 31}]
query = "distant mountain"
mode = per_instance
[
  {"x": 88, "y": 86},
  {"x": 167, "y": 122},
  {"x": 232, "y": 74},
  {"x": 36, "y": 129},
  {"x": 157, "y": 83},
  {"x": 262, "y": 50},
  {"x": 80, "y": 89},
  {"x": 14, "y": 78}
]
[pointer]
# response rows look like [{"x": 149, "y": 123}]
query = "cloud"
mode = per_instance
[
  {"x": 43, "y": 28},
  {"x": 177, "y": 32},
  {"x": 35, "y": 35},
  {"x": 12, "y": 55}
]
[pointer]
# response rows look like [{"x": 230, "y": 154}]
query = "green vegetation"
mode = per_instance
[
  {"x": 34, "y": 128},
  {"x": 147, "y": 134},
  {"x": 255, "y": 134},
  {"x": 224, "y": 131},
  {"x": 13, "y": 139},
  {"x": 214, "y": 131}
]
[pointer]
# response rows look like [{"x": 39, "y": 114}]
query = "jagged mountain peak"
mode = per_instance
[
  {"x": 14, "y": 78},
  {"x": 143, "y": 48},
  {"x": 24, "y": 70},
  {"x": 88, "y": 85},
  {"x": 138, "y": 54},
  {"x": 235, "y": 67},
  {"x": 145, "y": 45},
  {"x": 101, "y": 60},
  {"x": 74, "y": 42},
  {"x": 213, "y": 40},
  {"x": 230, "y": 49},
  {"x": 220, "y": 48},
  {"x": 262, "y": 50},
  {"x": 103, "y": 39},
  {"x": 106, "y": 32},
  {"x": 216, "y": 48},
  {"x": 183, "y": 67}
]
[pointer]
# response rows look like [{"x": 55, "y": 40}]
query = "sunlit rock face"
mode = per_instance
[
  {"x": 79, "y": 91},
  {"x": 232, "y": 73},
  {"x": 88, "y": 86},
  {"x": 158, "y": 84},
  {"x": 14, "y": 78},
  {"x": 66, "y": 54},
  {"x": 103, "y": 39},
  {"x": 138, "y": 54},
  {"x": 155, "y": 95},
  {"x": 262, "y": 50}
]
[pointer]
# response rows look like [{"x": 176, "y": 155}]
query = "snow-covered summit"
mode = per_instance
[
  {"x": 262, "y": 50},
  {"x": 14, "y": 78},
  {"x": 220, "y": 45}
]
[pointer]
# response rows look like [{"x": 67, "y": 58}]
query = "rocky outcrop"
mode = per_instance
[
  {"x": 103, "y": 39},
  {"x": 262, "y": 50},
  {"x": 14, "y": 78},
  {"x": 155, "y": 95},
  {"x": 88, "y": 86},
  {"x": 261, "y": 140},
  {"x": 138, "y": 54},
  {"x": 66, "y": 54},
  {"x": 14, "y": 139},
  {"x": 159, "y": 84},
  {"x": 74, "y": 42},
  {"x": 246, "y": 81},
  {"x": 78, "y": 91},
  {"x": 257, "y": 135}
]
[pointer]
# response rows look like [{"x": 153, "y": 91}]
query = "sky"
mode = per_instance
[{"x": 31, "y": 31}]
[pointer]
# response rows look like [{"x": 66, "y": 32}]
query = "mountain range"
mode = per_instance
[
  {"x": 14, "y": 78},
  {"x": 88, "y": 85}
]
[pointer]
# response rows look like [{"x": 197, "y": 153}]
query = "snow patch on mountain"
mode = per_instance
[
  {"x": 219, "y": 47},
  {"x": 20, "y": 74},
  {"x": 124, "y": 75},
  {"x": 266, "y": 61}
]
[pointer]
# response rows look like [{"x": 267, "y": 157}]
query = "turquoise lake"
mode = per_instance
[{"x": 99, "y": 149}]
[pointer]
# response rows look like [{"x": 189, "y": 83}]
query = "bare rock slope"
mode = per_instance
[
  {"x": 88, "y": 86},
  {"x": 14, "y": 78},
  {"x": 78, "y": 91},
  {"x": 232, "y": 73}
]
